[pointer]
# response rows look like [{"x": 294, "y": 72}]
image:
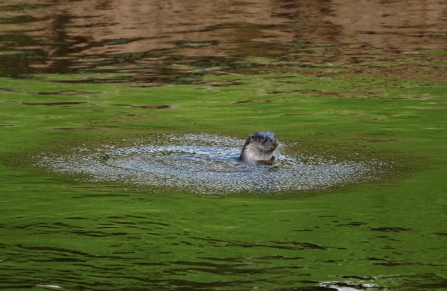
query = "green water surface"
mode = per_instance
[
  {"x": 60, "y": 232},
  {"x": 355, "y": 81}
]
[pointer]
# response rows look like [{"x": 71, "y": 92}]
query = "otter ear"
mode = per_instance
[{"x": 252, "y": 136}]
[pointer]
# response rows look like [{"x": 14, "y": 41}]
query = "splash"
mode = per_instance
[{"x": 206, "y": 164}]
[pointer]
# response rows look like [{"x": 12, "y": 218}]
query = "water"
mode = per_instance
[
  {"x": 154, "y": 43},
  {"x": 103, "y": 186},
  {"x": 213, "y": 169}
]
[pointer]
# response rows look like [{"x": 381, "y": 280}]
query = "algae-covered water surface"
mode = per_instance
[{"x": 121, "y": 125}]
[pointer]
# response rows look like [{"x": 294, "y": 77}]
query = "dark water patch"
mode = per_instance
[
  {"x": 220, "y": 268},
  {"x": 226, "y": 83},
  {"x": 253, "y": 101},
  {"x": 152, "y": 106},
  {"x": 359, "y": 95},
  {"x": 119, "y": 41},
  {"x": 60, "y": 228},
  {"x": 191, "y": 78},
  {"x": 61, "y": 103},
  {"x": 20, "y": 19},
  {"x": 303, "y": 230},
  {"x": 298, "y": 245},
  {"x": 281, "y": 245},
  {"x": 391, "y": 229},
  {"x": 389, "y": 263},
  {"x": 57, "y": 225},
  {"x": 67, "y": 93},
  {"x": 353, "y": 224},
  {"x": 5, "y": 89},
  {"x": 99, "y": 233},
  {"x": 286, "y": 91},
  {"x": 295, "y": 114},
  {"x": 121, "y": 104},
  {"x": 55, "y": 250},
  {"x": 99, "y": 79},
  {"x": 191, "y": 285},
  {"x": 206, "y": 164},
  {"x": 305, "y": 91},
  {"x": 432, "y": 282}
]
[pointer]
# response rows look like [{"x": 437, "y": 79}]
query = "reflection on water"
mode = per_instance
[
  {"x": 183, "y": 162},
  {"x": 77, "y": 236},
  {"x": 162, "y": 39}
]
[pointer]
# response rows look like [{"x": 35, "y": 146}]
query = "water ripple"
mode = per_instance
[{"x": 207, "y": 164}]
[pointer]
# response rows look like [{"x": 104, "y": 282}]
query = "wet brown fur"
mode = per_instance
[{"x": 259, "y": 148}]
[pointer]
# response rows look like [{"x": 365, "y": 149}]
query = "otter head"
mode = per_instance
[{"x": 259, "y": 148}]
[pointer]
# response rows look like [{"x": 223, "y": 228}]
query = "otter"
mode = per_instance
[{"x": 259, "y": 148}]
